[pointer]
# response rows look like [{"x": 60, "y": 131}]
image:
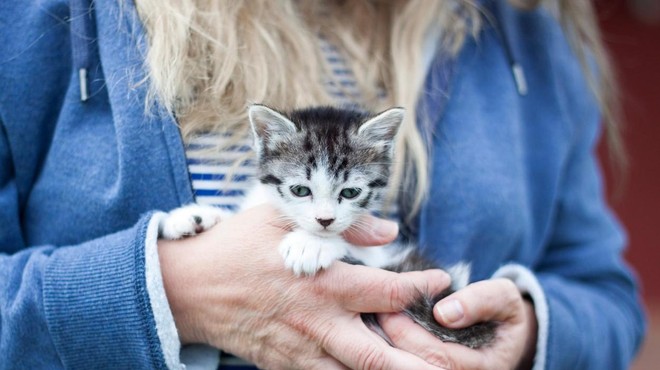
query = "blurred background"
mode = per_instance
[{"x": 631, "y": 30}]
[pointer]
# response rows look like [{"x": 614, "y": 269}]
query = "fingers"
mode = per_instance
[
  {"x": 488, "y": 300},
  {"x": 410, "y": 337},
  {"x": 366, "y": 350},
  {"x": 372, "y": 230},
  {"x": 367, "y": 289},
  {"x": 504, "y": 353}
]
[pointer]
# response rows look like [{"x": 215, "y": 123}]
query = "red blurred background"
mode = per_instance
[{"x": 631, "y": 30}]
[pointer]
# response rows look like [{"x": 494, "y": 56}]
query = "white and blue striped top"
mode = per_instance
[{"x": 209, "y": 176}]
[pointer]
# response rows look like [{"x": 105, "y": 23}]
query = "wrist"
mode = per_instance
[{"x": 180, "y": 283}]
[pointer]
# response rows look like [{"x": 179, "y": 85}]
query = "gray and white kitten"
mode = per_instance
[{"x": 324, "y": 168}]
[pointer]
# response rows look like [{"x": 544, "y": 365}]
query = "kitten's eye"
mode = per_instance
[
  {"x": 350, "y": 193},
  {"x": 300, "y": 191}
]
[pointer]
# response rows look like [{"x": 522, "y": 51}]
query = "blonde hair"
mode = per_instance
[{"x": 209, "y": 59}]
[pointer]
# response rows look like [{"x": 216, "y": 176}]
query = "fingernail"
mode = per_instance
[
  {"x": 450, "y": 311},
  {"x": 385, "y": 228}
]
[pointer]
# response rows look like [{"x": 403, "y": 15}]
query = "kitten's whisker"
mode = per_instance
[
  {"x": 284, "y": 221},
  {"x": 359, "y": 230}
]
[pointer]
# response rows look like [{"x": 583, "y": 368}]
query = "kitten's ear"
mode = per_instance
[
  {"x": 268, "y": 125},
  {"x": 384, "y": 126}
]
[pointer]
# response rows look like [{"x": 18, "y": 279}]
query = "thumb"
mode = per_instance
[
  {"x": 370, "y": 231},
  {"x": 487, "y": 300}
]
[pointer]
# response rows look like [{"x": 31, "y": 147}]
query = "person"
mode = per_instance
[{"x": 107, "y": 107}]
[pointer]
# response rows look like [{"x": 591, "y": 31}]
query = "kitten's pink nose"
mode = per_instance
[{"x": 325, "y": 222}]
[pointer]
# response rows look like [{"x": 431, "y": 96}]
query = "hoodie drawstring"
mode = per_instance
[
  {"x": 83, "y": 40},
  {"x": 500, "y": 25}
]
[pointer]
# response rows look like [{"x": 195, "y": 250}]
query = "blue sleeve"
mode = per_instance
[
  {"x": 80, "y": 307},
  {"x": 595, "y": 315}
]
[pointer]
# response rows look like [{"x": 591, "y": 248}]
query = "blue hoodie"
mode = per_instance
[{"x": 515, "y": 189}]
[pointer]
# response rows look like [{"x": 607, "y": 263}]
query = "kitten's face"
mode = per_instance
[{"x": 324, "y": 167}]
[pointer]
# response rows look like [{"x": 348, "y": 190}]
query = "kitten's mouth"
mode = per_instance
[{"x": 326, "y": 232}]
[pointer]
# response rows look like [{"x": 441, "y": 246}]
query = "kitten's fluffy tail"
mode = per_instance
[{"x": 421, "y": 310}]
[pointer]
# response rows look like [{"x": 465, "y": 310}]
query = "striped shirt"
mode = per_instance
[{"x": 222, "y": 180}]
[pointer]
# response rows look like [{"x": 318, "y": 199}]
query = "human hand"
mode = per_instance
[
  {"x": 372, "y": 231},
  {"x": 489, "y": 300},
  {"x": 228, "y": 288}
]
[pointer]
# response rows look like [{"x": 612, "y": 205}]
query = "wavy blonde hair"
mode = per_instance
[{"x": 209, "y": 59}]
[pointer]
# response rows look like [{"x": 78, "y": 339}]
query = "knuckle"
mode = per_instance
[
  {"x": 397, "y": 336},
  {"x": 328, "y": 337},
  {"x": 329, "y": 283},
  {"x": 508, "y": 285},
  {"x": 371, "y": 359},
  {"x": 514, "y": 293},
  {"x": 439, "y": 359},
  {"x": 511, "y": 298},
  {"x": 510, "y": 291},
  {"x": 395, "y": 293}
]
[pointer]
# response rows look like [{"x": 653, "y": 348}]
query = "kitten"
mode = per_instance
[{"x": 324, "y": 168}]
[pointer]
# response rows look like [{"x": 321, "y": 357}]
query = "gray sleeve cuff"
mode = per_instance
[
  {"x": 176, "y": 357},
  {"x": 165, "y": 327}
]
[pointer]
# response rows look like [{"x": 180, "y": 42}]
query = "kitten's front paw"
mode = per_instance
[
  {"x": 190, "y": 220},
  {"x": 306, "y": 254}
]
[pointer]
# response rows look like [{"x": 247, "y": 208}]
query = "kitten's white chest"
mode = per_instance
[{"x": 256, "y": 195}]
